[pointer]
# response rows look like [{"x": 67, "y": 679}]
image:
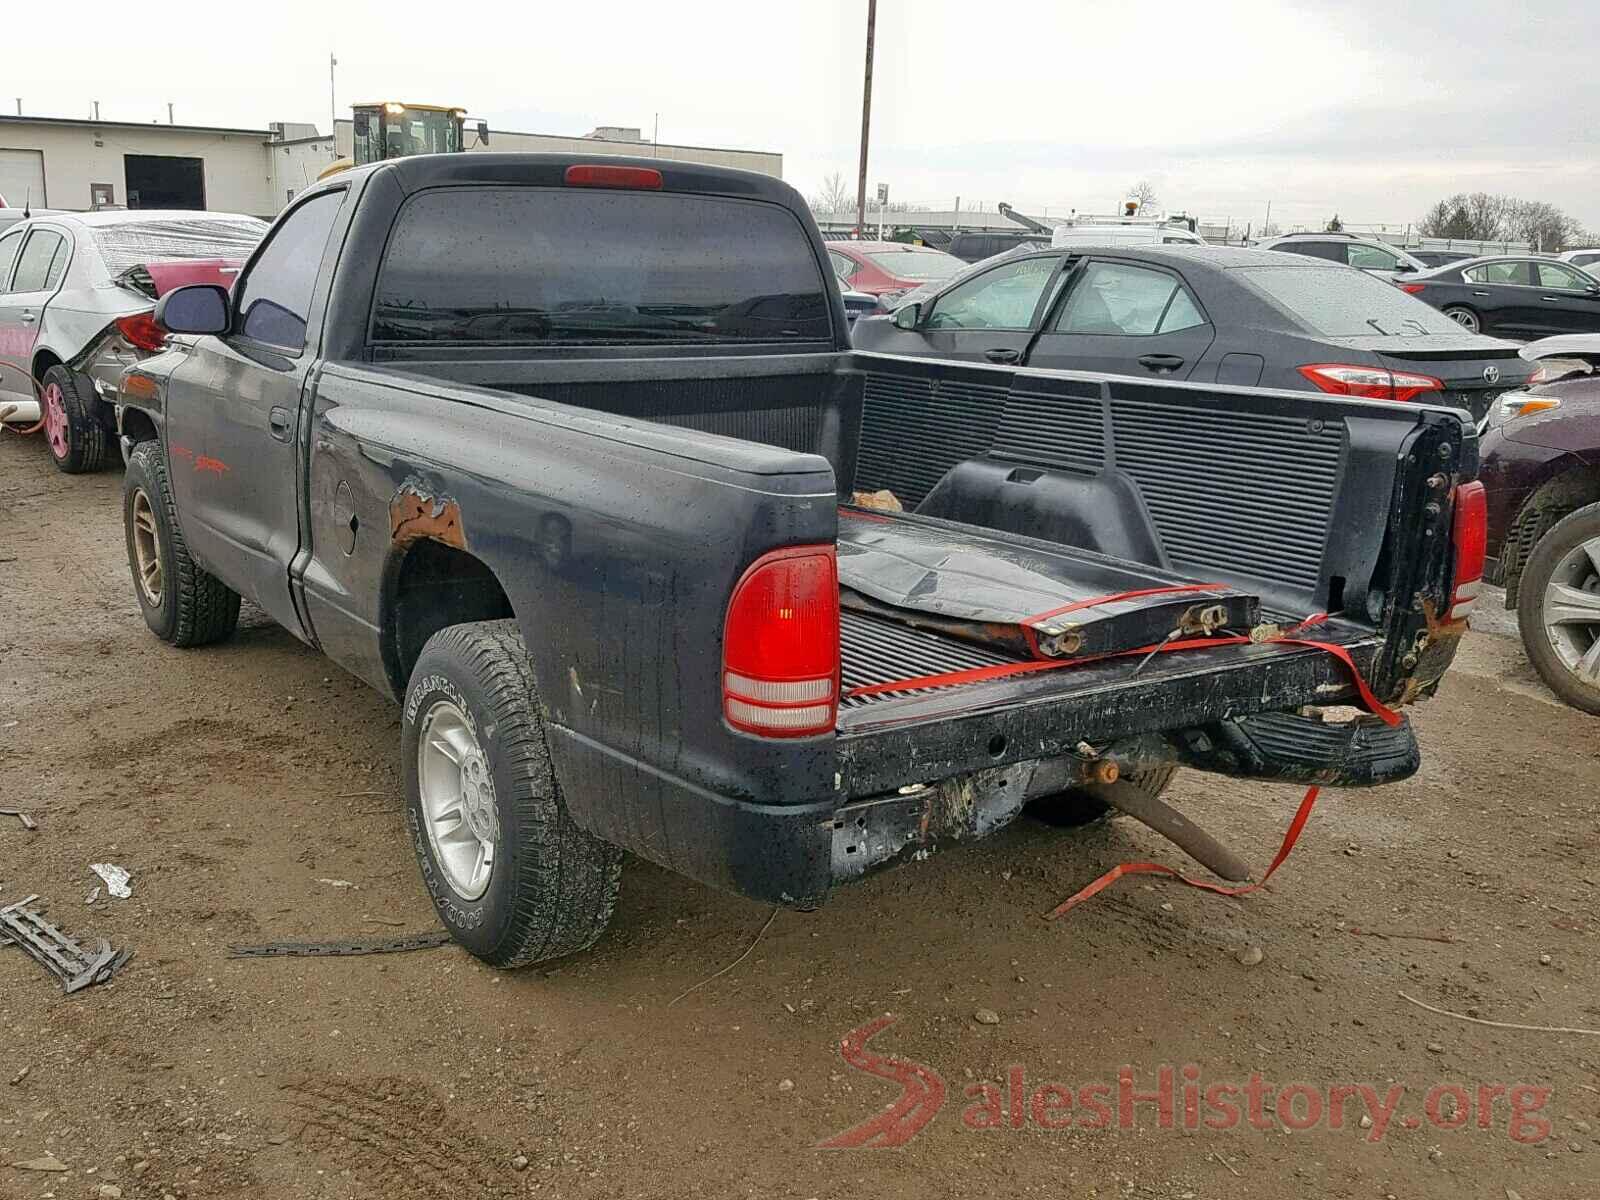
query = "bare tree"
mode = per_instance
[
  {"x": 1482, "y": 217},
  {"x": 835, "y": 197},
  {"x": 1144, "y": 192}
]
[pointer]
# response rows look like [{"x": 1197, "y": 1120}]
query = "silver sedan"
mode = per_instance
[{"x": 76, "y": 295}]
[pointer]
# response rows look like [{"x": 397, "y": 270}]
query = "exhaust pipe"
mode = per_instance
[{"x": 1168, "y": 822}]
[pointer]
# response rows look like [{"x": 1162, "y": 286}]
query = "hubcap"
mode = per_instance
[
  {"x": 1462, "y": 317},
  {"x": 55, "y": 420},
  {"x": 1572, "y": 611},
  {"x": 147, "y": 550},
  {"x": 458, "y": 801}
]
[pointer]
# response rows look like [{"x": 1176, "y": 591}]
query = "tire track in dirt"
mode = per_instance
[{"x": 394, "y": 1132}]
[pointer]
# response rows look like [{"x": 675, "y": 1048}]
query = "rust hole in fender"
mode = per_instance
[{"x": 414, "y": 513}]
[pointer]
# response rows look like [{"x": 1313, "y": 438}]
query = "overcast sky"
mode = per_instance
[{"x": 1371, "y": 108}]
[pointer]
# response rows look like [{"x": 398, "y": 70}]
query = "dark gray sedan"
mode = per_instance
[
  {"x": 1521, "y": 296},
  {"x": 1204, "y": 313}
]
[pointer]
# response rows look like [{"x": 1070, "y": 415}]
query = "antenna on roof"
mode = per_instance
[{"x": 27, "y": 202}]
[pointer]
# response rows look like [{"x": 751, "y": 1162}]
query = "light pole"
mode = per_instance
[
  {"x": 333, "y": 105},
  {"x": 866, "y": 122}
]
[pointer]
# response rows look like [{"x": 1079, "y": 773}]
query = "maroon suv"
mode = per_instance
[{"x": 1541, "y": 469}]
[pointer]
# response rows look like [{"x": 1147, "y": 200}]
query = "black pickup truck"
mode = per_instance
[{"x": 572, "y": 459}]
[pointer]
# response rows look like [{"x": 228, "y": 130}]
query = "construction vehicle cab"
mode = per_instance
[{"x": 394, "y": 130}]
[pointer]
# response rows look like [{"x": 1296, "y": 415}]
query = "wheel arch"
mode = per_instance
[
  {"x": 137, "y": 425},
  {"x": 429, "y": 585},
  {"x": 43, "y": 359},
  {"x": 1569, "y": 489}
]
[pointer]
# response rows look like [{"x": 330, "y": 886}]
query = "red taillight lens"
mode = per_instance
[
  {"x": 1372, "y": 383},
  {"x": 1411, "y": 289},
  {"x": 780, "y": 646},
  {"x": 141, "y": 329},
  {"x": 600, "y": 175},
  {"x": 1469, "y": 533}
]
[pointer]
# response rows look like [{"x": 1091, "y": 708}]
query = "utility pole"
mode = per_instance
[
  {"x": 866, "y": 121},
  {"x": 96, "y": 110},
  {"x": 333, "y": 105},
  {"x": 169, "y": 112},
  {"x": 19, "y": 106}
]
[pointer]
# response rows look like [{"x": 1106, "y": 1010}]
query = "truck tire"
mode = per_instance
[
  {"x": 1560, "y": 587},
  {"x": 1072, "y": 807},
  {"x": 182, "y": 602},
  {"x": 74, "y": 429},
  {"x": 512, "y": 876}
]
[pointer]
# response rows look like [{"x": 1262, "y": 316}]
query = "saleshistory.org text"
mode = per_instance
[{"x": 1179, "y": 1097}]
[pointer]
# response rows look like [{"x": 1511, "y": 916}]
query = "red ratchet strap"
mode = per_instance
[
  {"x": 1005, "y": 670},
  {"x": 1296, "y": 826}
]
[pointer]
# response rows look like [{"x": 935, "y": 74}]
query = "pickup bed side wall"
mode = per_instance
[{"x": 618, "y": 544}]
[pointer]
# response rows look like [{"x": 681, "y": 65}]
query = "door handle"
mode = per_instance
[
  {"x": 27, "y": 317},
  {"x": 1552, "y": 299},
  {"x": 1002, "y": 356},
  {"x": 278, "y": 419},
  {"x": 1480, "y": 293},
  {"x": 1160, "y": 362}
]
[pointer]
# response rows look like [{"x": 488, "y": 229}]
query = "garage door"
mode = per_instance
[{"x": 22, "y": 177}]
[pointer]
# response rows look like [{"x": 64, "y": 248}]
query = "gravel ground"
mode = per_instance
[{"x": 251, "y": 791}]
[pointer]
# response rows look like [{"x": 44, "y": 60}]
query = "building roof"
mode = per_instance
[{"x": 91, "y": 123}]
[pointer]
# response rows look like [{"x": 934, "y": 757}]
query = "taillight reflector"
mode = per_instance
[
  {"x": 1372, "y": 383},
  {"x": 1411, "y": 289},
  {"x": 780, "y": 645},
  {"x": 141, "y": 329},
  {"x": 1469, "y": 534},
  {"x": 601, "y": 175}
]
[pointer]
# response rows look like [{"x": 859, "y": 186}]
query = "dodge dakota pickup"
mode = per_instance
[{"x": 573, "y": 459}]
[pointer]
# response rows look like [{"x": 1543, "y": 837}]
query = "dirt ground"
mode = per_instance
[{"x": 236, "y": 782}]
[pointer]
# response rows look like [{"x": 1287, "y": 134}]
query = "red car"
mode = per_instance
[{"x": 888, "y": 270}]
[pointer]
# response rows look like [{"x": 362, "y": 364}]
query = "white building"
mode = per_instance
[{"x": 67, "y": 163}]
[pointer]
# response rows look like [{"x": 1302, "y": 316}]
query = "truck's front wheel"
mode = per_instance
[{"x": 512, "y": 877}]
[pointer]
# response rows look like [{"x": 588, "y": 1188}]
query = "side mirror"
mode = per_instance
[
  {"x": 1592, "y": 289},
  {"x": 1405, "y": 268},
  {"x": 483, "y": 133},
  {"x": 198, "y": 308},
  {"x": 362, "y": 124},
  {"x": 908, "y": 316}
]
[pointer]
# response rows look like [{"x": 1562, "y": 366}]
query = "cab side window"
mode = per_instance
[
  {"x": 1002, "y": 298},
  {"x": 1372, "y": 258},
  {"x": 9, "y": 245},
  {"x": 1502, "y": 272},
  {"x": 42, "y": 262},
  {"x": 1565, "y": 278},
  {"x": 1121, "y": 299},
  {"x": 274, "y": 299}
]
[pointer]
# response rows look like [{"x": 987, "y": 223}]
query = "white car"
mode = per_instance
[
  {"x": 1587, "y": 259},
  {"x": 76, "y": 295}
]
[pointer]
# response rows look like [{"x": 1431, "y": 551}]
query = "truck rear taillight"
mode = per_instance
[
  {"x": 780, "y": 645},
  {"x": 142, "y": 331},
  {"x": 601, "y": 175},
  {"x": 1372, "y": 383},
  {"x": 1470, "y": 535}
]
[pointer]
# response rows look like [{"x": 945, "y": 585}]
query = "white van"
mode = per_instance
[{"x": 1130, "y": 233}]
